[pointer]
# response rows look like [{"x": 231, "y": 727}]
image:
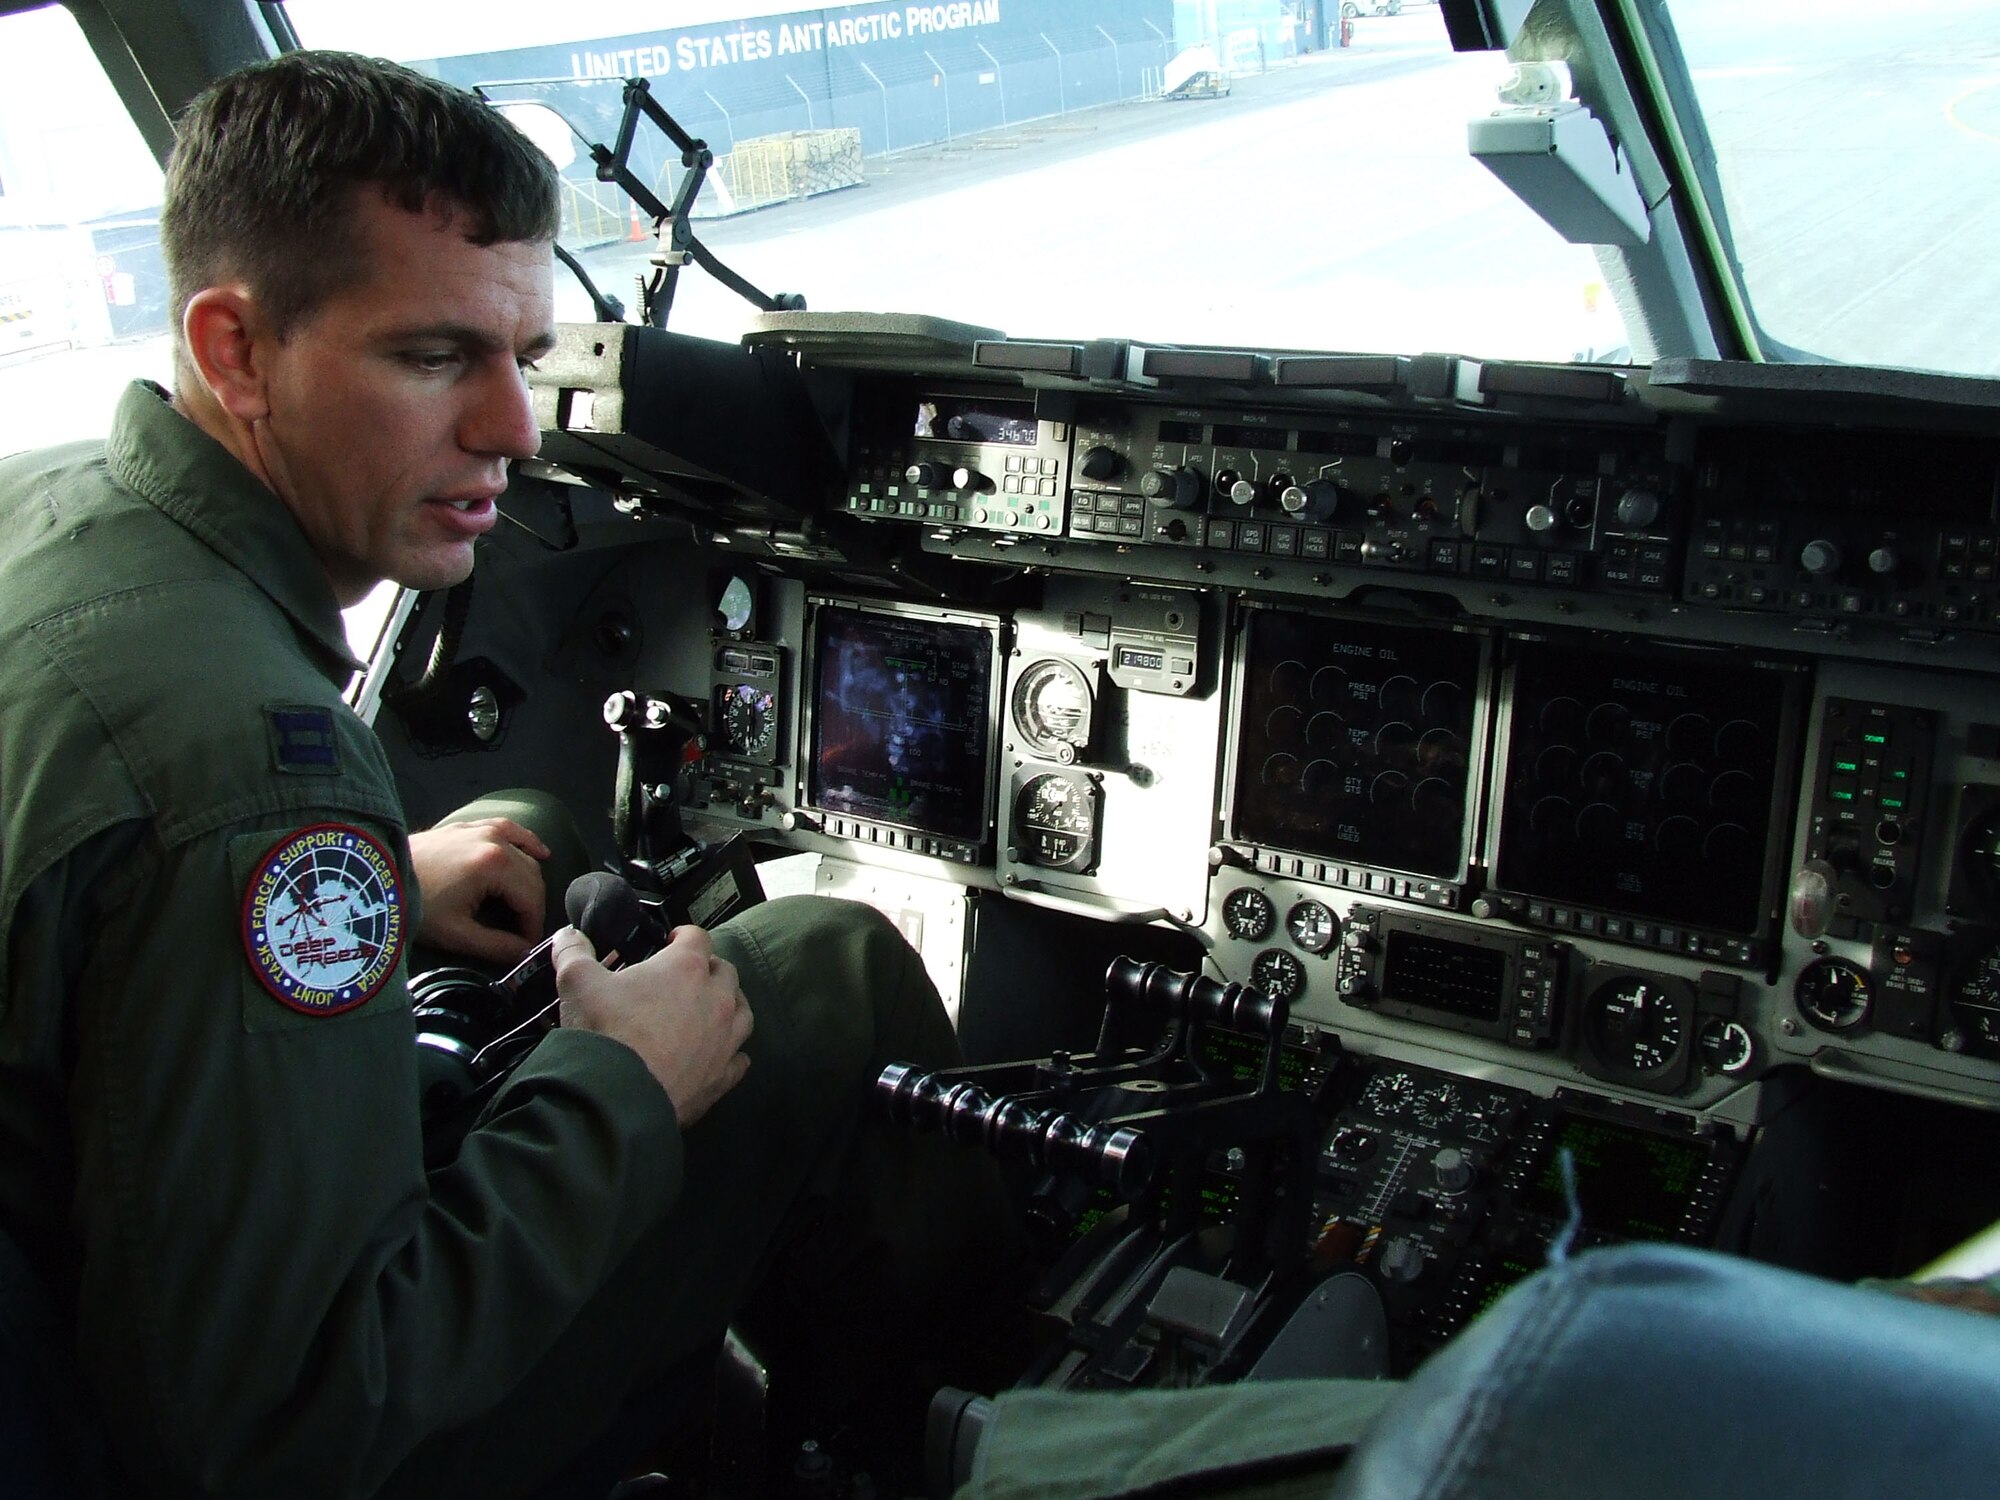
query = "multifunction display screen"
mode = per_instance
[
  {"x": 902, "y": 721},
  {"x": 1631, "y": 1184},
  {"x": 966, "y": 419},
  {"x": 1642, "y": 784},
  {"x": 1353, "y": 741}
]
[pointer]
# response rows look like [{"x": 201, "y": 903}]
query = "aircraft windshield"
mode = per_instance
[
  {"x": 1018, "y": 168},
  {"x": 1857, "y": 147},
  {"x": 1261, "y": 173}
]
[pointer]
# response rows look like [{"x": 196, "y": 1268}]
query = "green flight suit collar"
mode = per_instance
[{"x": 188, "y": 476}]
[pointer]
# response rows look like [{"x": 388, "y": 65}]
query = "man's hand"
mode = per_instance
[
  {"x": 485, "y": 862},
  {"x": 681, "y": 1010}
]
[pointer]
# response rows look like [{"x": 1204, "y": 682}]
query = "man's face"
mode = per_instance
[{"x": 395, "y": 406}]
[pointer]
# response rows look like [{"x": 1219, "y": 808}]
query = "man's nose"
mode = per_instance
[{"x": 501, "y": 420}]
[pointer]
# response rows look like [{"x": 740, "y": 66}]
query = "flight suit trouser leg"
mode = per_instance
[
  {"x": 836, "y": 994},
  {"x": 1261, "y": 1440}
]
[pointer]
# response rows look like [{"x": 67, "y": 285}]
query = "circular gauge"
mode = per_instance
[
  {"x": 749, "y": 719},
  {"x": 1052, "y": 706},
  {"x": 1389, "y": 1093},
  {"x": 1248, "y": 914},
  {"x": 1436, "y": 1106},
  {"x": 1312, "y": 926},
  {"x": 1726, "y": 1046},
  {"x": 1278, "y": 974},
  {"x": 1975, "y": 1000},
  {"x": 1635, "y": 1027},
  {"x": 1354, "y": 1143},
  {"x": 1055, "y": 821},
  {"x": 1485, "y": 1119},
  {"x": 1834, "y": 994}
]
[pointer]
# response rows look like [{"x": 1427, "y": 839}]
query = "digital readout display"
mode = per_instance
[
  {"x": 1641, "y": 784},
  {"x": 1440, "y": 975},
  {"x": 967, "y": 419},
  {"x": 902, "y": 721},
  {"x": 1631, "y": 1184},
  {"x": 1354, "y": 741}
]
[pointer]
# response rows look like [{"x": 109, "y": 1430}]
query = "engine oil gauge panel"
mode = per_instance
[
  {"x": 1636, "y": 1028},
  {"x": 1248, "y": 915},
  {"x": 1054, "y": 706},
  {"x": 1312, "y": 926},
  {"x": 1354, "y": 742},
  {"x": 1055, "y": 821},
  {"x": 1834, "y": 995}
]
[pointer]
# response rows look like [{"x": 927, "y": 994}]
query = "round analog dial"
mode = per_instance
[
  {"x": 1727, "y": 1047},
  {"x": 1975, "y": 1000},
  {"x": 1055, "y": 821},
  {"x": 1436, "y": 1106},
  {"x": 1278, "y": 974},
  {"x": 1635, "y": 1026},
  {"x": 1248, "y": 914},
  {"x": 1834, "y": 994},
  {"x": 1389, "y": 1092},
  {"x": 749, "y": 719},
  {"x": 1312, "y": 926},
  {"x": 1052, "y": 705}
]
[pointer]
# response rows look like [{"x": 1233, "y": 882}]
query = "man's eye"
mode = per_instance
[
  {"x": 431, "y": 361},
  {"x": 525, "y": 365}
]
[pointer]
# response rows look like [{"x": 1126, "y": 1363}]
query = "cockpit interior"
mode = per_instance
[{"x": 1368, "y": 809}]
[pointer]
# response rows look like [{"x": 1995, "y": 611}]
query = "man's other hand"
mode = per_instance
[
  {"x": 681, "y": 1010},
  {"x": 492, "y": 863}
]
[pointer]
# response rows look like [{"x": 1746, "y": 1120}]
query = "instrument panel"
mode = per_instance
[{"x": 1602, "y": 736}]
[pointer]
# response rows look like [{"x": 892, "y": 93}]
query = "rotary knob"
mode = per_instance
[
  {"x": 1454, "y": 1172},
  {"x": 1884, "y": 560},
  {"x": 1402, "y": 1259},
  {"x": 1314, "y": 501},
  {"x": 1177, "y": 488},
  {"x": 1100, "y": 462},
  {"x": 1541, "y": 518},
  {"x": 926, "y": 476},
  {"x": 1820, "y": 557},
  {"x": 971, "y": 481},
  {"x": 1637, "y": 509},
  {"x": 1234, "y": 488}
]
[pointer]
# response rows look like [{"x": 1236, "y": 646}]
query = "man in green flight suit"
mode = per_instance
[{"x": 209, "y": 1138}]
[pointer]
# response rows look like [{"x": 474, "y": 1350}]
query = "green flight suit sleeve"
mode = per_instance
[{"x": 274, "y": 1298}]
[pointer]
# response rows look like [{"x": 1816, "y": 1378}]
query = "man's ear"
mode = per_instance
[{"x": 223, "y": 332}]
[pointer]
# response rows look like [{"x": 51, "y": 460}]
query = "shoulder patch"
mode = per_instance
[
  {"x": 303, "y": 741},
  {"x": 323, "y": 919}
]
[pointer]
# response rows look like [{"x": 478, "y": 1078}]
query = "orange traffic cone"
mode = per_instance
[{"x": 638, "y": 234}]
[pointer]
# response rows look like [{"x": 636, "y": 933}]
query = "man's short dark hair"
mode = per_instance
[{"x": 261, "y": 184}]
